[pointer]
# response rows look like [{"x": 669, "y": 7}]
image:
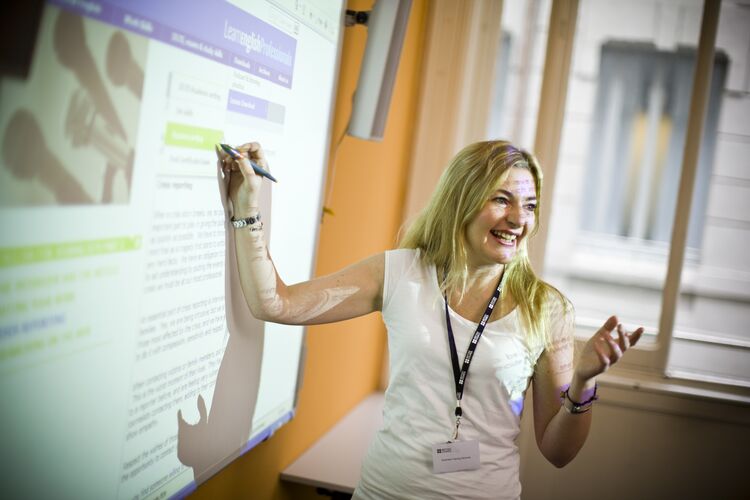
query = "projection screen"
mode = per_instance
[{"x": 130, "y": 366}]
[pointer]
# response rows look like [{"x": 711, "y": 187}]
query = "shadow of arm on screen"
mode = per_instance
[{"x": 223, "y": 431}]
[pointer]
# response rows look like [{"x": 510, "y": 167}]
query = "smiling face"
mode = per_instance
[{"x": 495, "y": 234}]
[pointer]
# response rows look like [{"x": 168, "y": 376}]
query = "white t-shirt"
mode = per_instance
[{"x": 420, "y": 399}]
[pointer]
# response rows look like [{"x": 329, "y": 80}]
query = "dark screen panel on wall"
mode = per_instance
[{"x": 130, "y": 366}]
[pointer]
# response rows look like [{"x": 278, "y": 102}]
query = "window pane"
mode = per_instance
[
  {"x": 620, "y": 158},
  {"x": 711, "y": 340},
  {"x": 518, "y": 76}
]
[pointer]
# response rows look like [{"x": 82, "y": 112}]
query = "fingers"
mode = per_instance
[
  {"x": 202, "y": 412},
  {"x": 635, "y": 336},
  {"x": 604, "y": 348},
  {"x": 603, "y": 355},
  {"x": 248, "y": 152},
  {"x": 609, "y": 325},
  {"x": 228, "y": 159},
  {"x": 628, "y": 339},
  {"x": 202, "y": 409},
  {"x": 229, "y": 164},
  {"x": 623, "y": 338},
  {"x": 607, "y": 349},
  {"x": 614, "y": 348},
  {"x": 611, "y": 349},
  {"x": 254, "y": 151},
  {"x": 225, "y": 161}
]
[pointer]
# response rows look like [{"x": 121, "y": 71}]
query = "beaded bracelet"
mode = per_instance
[
  {"x": 575, "y": 407},
  {"x": 249, "y": 221}
]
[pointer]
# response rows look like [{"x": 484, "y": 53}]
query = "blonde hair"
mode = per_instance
[{"x": 439, "y": 231}]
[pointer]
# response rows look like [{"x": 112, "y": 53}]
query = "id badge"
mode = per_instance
[{"x": 454, "y": 456}]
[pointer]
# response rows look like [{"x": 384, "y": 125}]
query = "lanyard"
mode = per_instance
[{"x": 459, "y": 373}]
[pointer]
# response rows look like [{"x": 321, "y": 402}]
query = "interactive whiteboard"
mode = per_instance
[{"x": 127, "y": 370}]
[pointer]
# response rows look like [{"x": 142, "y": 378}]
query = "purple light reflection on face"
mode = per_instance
[{"x": 508, "y": 209}]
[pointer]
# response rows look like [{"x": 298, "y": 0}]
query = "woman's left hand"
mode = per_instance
[{"x": 602, "y": 350}]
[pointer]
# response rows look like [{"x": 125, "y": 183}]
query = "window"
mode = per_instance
[
  {"x": 617, "y": 178},
  {"x": 637, "y": 141},
  {"x": 518, "y": 71}
]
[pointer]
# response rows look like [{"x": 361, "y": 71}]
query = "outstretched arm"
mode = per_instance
[
  {"x": 559, "y": 433},
  {"x": 353, "y": 291}
]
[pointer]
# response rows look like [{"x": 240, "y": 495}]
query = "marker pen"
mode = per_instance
[{"x": 238, "y": 156}]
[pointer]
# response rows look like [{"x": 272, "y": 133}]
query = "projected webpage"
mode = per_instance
[{"x": 123, "y": 371}]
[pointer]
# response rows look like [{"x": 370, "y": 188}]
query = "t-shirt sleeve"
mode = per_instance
[
  {"x": 559, "y": 329},
  {"x": 397, "y": 265},
  {"x": 560, "y": 319}
]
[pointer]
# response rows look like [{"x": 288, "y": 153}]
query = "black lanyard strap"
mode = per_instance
[{"x": 459, "y": 373}]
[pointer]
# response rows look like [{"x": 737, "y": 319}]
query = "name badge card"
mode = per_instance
[{"x": 455, "y": 456}]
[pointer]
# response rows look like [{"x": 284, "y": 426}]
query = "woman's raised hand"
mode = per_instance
[
  {"x": 244, "y": 183},
  {"x": 603, "y": 350}
]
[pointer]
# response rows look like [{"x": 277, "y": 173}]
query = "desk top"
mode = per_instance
[{"x": 335, "y": 460}]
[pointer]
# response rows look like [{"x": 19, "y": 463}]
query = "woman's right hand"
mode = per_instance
[{"x": 244, "y": 183}]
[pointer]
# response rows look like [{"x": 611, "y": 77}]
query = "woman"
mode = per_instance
[{"x": 460, "y": 284}]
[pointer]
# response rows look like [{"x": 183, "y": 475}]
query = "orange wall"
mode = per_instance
[{"x": 344, "y": 360}]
